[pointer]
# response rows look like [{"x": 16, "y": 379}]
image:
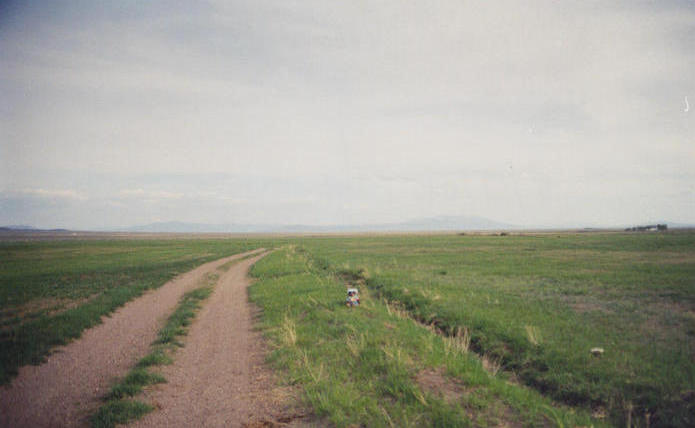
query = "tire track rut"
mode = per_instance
[{"x": 219, "y": 378}]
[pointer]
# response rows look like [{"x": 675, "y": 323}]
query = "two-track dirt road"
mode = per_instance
[
  {"x": 212, "y": 383},
  {"x": 218, "y": 379}
]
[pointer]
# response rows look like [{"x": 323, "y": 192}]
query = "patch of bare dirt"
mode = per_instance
[
  {"x": 220, "y": 379},
  {"x": 36, "y": 305},
  {"x": 673, "y": 258},
  {"x": 437, "y": 383},
  {"x": 451, "y": 390},
  {"x": 66, "y": 388},
  {"x": 660, "y": 257},
  {"x": 16, "y": 316},
  {"x": 590, "y": 306}
]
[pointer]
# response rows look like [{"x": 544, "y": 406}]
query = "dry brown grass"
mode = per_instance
[
  {"x": 460, "y": 341},
  {"x": 289, "y": 331},
  {"x": 396, "y": 310},
  {"x": 533, "y": 334},
  {"x": 491, "y": 364}
]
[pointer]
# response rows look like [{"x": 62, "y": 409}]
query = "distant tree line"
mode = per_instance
[{"x": 647, "y": 228}]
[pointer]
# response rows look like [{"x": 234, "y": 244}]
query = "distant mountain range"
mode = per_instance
[
  {"x": 18, "y": 227},
  {"x": 23, "y": 228},
  {"x": 441, "y": 223},
  {"x": 427, "y": 224}
]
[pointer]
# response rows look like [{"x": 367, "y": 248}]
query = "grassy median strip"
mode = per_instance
[
  {"x": 119, "y": 406},
  {"x": 373, "y": 365}
]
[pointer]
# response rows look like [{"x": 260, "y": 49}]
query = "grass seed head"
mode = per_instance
[
  {"x": 289, "y": 331},
  {"x": 533, "y": 334}
]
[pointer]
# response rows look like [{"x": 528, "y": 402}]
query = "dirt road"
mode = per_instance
[
  {"x": 218, "y": 379},
  {"x": 66, "y": 388}
]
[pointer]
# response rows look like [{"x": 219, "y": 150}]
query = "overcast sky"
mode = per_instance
[{"x": 118, "y": 113}]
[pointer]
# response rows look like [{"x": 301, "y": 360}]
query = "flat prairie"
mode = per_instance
[
  {"x": 551, "y": 328},
  {"x": 538, "y": 303}
]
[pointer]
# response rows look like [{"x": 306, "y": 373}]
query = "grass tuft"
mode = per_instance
[
  {"x": 289, "y": 331},
  {"x": 133, "y": 383},
  {"x": 158, "y": 357},
  {"x": 459, "y": 342},
  {"x": 119, "y": 412},
  {"x": 491, "y": 364},
  {"x": 534, "y": 334}
]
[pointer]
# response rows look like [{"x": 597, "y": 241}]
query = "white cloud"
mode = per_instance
[
  {"x": 50, "y": 194},
  {"x": 150, "y": 194},
  {"x": 132, "y": 192}
]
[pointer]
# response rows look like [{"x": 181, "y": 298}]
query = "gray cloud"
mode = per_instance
[{"x": 355, "y": 112}]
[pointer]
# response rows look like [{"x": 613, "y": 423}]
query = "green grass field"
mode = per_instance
[
  {"x": 474, "y": 330},
  {"x": 538, "y": 304},
  {"x": 51, "y": 291},
  {"x": 374, "y": 366}
]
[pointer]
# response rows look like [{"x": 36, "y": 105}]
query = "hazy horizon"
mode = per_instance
[
  {"x": 429, "y": 224},
  {"x": 117, "y": 114}
]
